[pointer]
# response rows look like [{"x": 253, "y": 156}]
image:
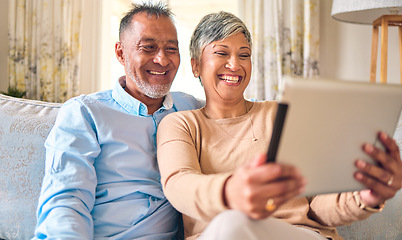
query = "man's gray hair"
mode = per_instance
[
  {"x": 214, "y": 27},
  {"x": 151, "y": 8}
]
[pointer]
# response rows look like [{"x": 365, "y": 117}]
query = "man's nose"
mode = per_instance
[{"x": 161, "y": 58}]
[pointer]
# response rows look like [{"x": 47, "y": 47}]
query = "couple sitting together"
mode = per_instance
[{"x": 111, "y": 159}]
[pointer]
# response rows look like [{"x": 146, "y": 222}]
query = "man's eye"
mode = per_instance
[
  {"x": 172, "y": 49},
  {"x": 148, "y": 48}
]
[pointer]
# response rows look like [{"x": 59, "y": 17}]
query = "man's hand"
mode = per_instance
[
  {"x": 384, "y": 180},
  {"x": 258, "y": 189}
]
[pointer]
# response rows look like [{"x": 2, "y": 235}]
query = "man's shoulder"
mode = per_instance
[
  {"x": 184, "y": 101},
  {"x": 89, "y": 99},
  {"x": 86, "y": 103}
]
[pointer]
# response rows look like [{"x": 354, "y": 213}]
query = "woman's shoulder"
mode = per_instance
[
  {"x": 181, "y": 116},
  {"x": 178, "y": 125},
  {"x": 265, "y": 105}
]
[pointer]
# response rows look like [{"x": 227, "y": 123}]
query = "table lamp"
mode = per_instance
[{"x": 379, "y": 13}]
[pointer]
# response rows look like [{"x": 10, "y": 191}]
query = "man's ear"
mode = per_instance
[
  {"x": 119, "y": 51},
  {"x": 195, "y": 66}
]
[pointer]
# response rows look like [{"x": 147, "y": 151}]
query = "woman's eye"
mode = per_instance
[
  {"x": 221, "y": 53},
  {"x": 245, "y": 55}
]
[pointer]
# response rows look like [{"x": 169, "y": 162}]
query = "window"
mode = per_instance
[{"x": 187, "y": 15}]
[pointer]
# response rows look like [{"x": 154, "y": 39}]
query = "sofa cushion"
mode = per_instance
[
  {"x": 24, "y": 126},
  {"x": 386, "y": 225}
]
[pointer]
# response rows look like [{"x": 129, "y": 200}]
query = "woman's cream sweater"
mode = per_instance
[{"x": 196, "y": 155}]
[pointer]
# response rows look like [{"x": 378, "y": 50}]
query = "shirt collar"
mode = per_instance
[
  {"x": 168, "y": 101},
  {"x": 131, "y": 104}
]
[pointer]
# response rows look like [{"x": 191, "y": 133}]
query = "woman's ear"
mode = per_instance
[
  {"x": 195, "y": 66},
  {"x": 119, "y": 51}
]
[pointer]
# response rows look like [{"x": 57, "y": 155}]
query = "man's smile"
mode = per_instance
[{"x": 157, "y": 72}]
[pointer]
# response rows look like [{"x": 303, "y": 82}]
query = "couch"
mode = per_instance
[{"x": 24, "y": 125}]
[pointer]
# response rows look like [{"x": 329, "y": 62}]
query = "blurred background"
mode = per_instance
[{"x": 344, "y": 49}]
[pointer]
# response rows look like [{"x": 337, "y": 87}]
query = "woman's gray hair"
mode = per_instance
[{"x": 214, "y": 27}]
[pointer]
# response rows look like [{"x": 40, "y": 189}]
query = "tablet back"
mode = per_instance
[{"x": 326, "y": 124}]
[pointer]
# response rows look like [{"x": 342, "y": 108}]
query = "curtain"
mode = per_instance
[
  {"x": 45, "y": 48},
  {"x": 285, "y": 42}
]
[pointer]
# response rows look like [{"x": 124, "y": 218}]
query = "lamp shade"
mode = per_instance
[{"x": 364, "y": 11}]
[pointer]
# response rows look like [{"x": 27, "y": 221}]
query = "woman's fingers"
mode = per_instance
[
  {"x": 253, "y": 185},
  {"x": 384, "y": 179}
]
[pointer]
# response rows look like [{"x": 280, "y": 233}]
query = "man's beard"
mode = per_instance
[{"x": 150, "y": 90}]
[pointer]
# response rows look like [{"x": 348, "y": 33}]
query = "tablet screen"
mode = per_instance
[{"x": 325, "y": 124}]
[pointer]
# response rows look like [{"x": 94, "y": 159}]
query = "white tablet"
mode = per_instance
[{"x": 326, "y": 122}]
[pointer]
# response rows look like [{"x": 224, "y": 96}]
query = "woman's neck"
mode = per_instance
[{"x": 215, "y": 110}]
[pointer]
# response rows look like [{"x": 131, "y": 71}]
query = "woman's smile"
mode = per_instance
[{"x": 231, "y": 79}]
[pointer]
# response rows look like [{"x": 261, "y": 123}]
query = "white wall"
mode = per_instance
[
  {"x": 90, "y": 57},
  {"x": 345, "y": 49},
  {"x": 111, "y": 69},
  {"x": 344, "y": 53}
]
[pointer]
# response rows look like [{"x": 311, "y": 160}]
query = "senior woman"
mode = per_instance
[{"x": 212, "y": 169}]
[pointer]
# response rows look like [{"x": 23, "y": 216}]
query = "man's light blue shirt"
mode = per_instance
[{"x": 102, "y": 180}]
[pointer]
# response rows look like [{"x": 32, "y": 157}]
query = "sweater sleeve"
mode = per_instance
[
  {"x": 336, "y": 209},
  {"x": 189, "y": 190}
]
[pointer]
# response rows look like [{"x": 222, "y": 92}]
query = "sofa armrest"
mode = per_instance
[{"x": 24, "y": 126}]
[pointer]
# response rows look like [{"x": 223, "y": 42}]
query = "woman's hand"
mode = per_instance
[
  {"x": 258, "y": 189},
  {"x": 384, "y": 180}
]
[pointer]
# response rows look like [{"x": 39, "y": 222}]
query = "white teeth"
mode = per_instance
[
  {"x": 157, "y": 73},
  {"x": 230, "y": 79}
]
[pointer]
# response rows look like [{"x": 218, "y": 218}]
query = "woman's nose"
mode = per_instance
[{"x": 233, "y": 64}]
